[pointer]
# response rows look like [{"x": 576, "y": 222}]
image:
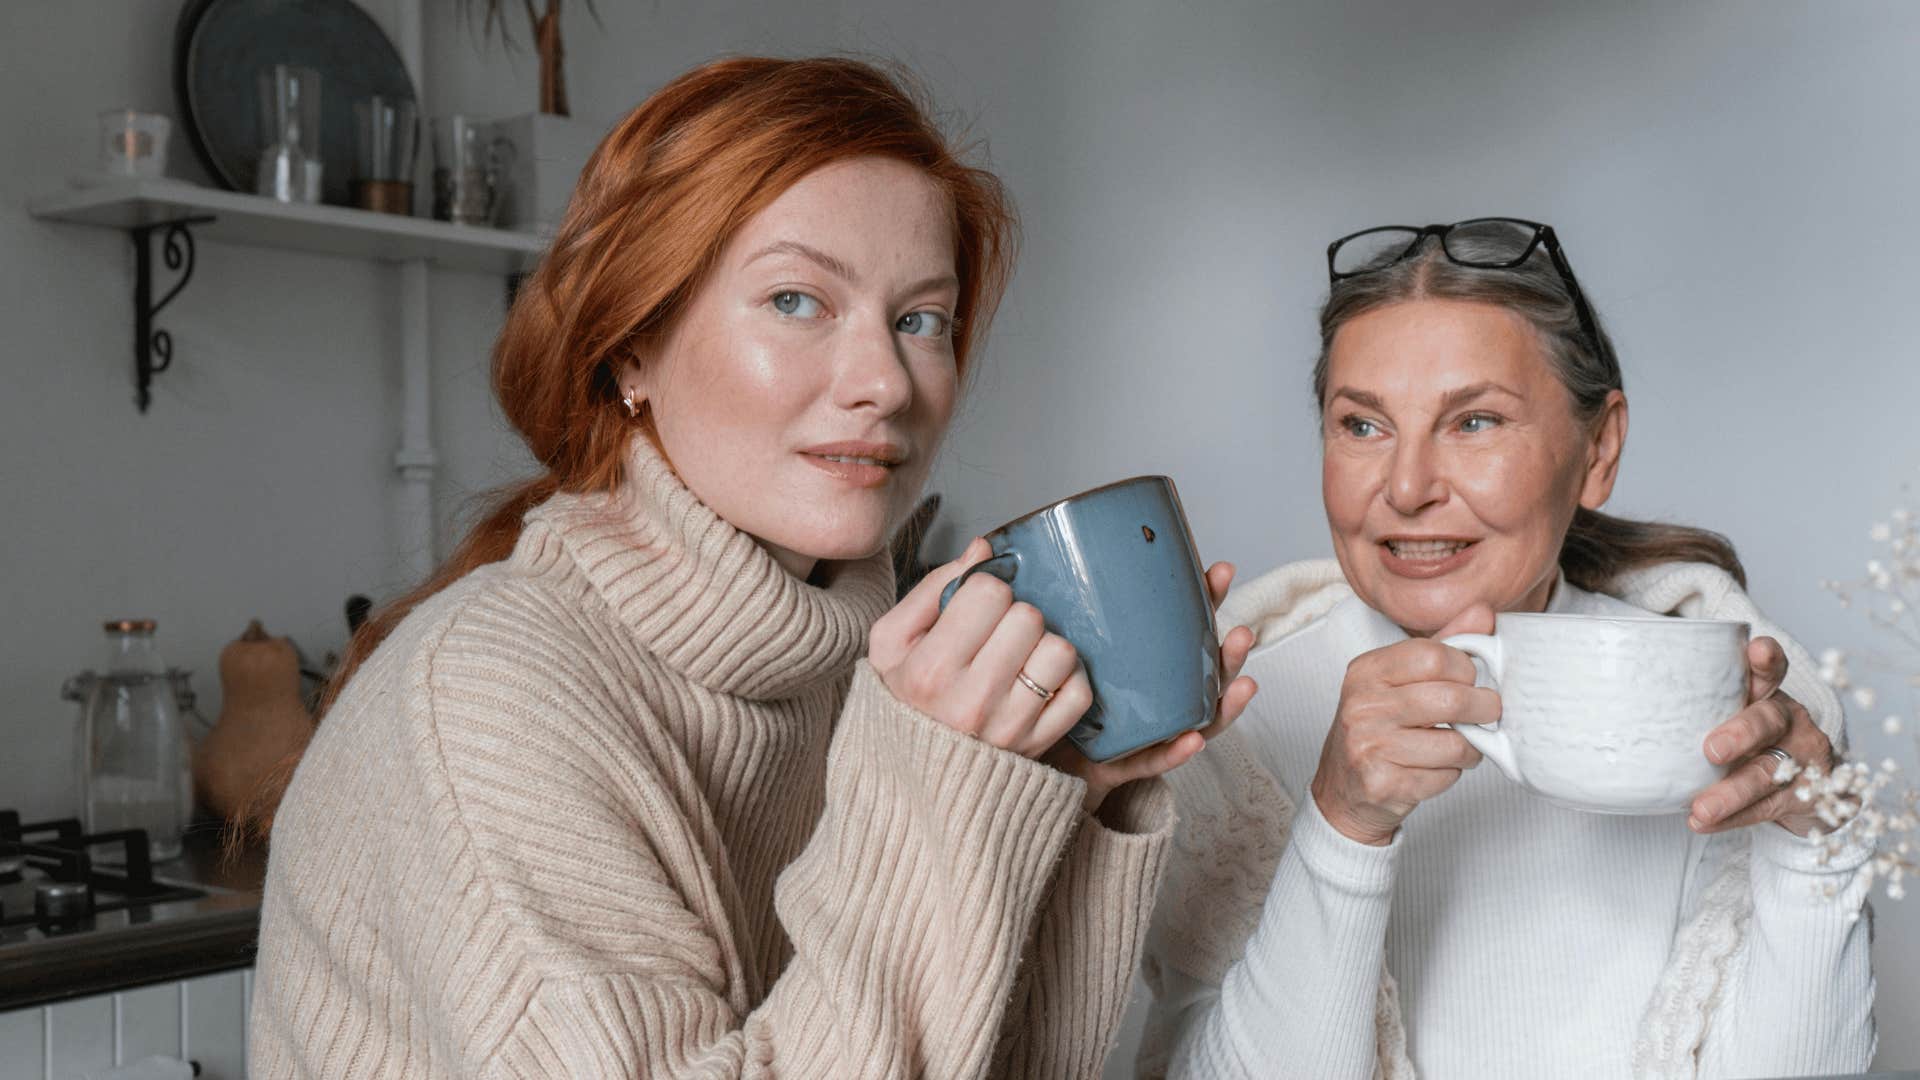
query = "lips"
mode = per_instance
[
  {"x": 1426, "y": 550},
  {"x": 861, "y": 464},
  {"x": 1422, "y": 557}
]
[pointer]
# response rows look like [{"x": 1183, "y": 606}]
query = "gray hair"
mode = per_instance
[{"x": 1598, "y": 547}]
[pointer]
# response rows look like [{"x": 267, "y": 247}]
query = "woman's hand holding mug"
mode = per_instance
[
  {"x": 980, "y": 668},
  {"x": 1750, "y": 795},
  {"x": 1383, "y": 755}
]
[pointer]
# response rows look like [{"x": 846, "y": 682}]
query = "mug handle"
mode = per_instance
[
  {"x": 1486, "y": 738},
  {"x": 1004, "y": 566}
]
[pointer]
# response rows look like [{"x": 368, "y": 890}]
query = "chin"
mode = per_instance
[
  {"x": 1421, "y": 611},
  {"x": 844, "y": 543}
]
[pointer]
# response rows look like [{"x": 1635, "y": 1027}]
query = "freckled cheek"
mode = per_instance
[{"x": 753, "y": 385}]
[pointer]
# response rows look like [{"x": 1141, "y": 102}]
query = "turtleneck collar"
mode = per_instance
[{"x": 703, "y": 596}]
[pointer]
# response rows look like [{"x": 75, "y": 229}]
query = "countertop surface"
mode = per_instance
[{"x": 215, "y": 933}]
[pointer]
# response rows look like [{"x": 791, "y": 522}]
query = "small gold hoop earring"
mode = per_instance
[{"x": 631, "y": 401}]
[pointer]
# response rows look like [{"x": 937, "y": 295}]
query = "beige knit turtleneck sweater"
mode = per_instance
[{"x": 628, "y": 803}]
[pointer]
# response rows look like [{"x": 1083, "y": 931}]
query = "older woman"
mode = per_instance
[
  {"x": 1352, "y": 897},
  {"x": 615, "y": 793}
]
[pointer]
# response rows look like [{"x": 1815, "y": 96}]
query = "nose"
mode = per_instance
[
  {"x": 1413, "y": 478},
  {"x": 872, "y": 373}
]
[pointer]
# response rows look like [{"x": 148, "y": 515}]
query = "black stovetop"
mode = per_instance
[{"x": 84, "y": 913}]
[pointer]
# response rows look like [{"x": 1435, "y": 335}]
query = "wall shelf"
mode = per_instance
[{"x": 254, "y": 221}]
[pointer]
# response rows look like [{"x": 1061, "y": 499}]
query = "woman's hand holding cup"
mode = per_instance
[
  {"x": 980, "y": 667},
  {"x": 963, "y": 666},
  {"x": 1383, "y": 756},
  {"x": 1750, "y": 795}
]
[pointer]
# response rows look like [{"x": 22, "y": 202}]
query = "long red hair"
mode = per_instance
[{"x": 657, "y": 202}]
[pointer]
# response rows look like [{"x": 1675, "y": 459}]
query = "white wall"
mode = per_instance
[{"x": 1732, "y": 181}]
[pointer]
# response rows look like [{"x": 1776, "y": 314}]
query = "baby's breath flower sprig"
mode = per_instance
[{"x": 1871, "y": 804}]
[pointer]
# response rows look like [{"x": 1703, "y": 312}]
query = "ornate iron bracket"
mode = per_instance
[{"x": 153, "y": 349}]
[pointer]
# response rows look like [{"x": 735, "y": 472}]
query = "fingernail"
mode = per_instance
[
  {"x": 1711, "y": 808},
  {"x": 1717, "y": 749},
  {"x": 1695, "y": 824}
]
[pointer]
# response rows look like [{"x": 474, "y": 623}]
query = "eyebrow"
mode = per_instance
[
  {"x": 839, "y": 267},
  {"x": 813, "y": 254},
  {"x": 1452, "y": 399}
]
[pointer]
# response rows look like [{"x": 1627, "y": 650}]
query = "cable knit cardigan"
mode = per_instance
[
  {"x": 628, "y": 803},
  {"x": 1235, "y": 820}
]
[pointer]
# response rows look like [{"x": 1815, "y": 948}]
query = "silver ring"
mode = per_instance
[
  {"x": 1784, "y": 758},
  {"x": 1027, "y": 681}
]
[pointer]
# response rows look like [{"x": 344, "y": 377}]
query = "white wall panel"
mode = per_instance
[
  {"x": 23, "y": 1047},
  {"x": 79, "y": 1036},
  {"x": 149, "y": 1022},
  {"x": 203, "y": 1019},
  {"x": 216, "y": 1025}
]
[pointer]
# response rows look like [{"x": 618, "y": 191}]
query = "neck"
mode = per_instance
[{"x": 799, "y": 567}]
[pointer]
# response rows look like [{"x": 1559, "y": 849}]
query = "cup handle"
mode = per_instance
[
  {"x": 1003, "y": 566},
  {"x": 1486, "y": 738}
]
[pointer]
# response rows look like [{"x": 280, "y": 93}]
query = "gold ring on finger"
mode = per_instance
[{"x": 1027, "y": 681}]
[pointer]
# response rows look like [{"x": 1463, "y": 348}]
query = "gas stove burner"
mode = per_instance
[{"x": 63, "y": 877}]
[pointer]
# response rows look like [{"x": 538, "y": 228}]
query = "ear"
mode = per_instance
[
  {"x": 1607, "y": 438},
  {"x": 631, "y": 378}
]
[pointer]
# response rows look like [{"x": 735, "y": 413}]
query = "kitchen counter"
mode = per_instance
[{"x": 179, "y": 940}]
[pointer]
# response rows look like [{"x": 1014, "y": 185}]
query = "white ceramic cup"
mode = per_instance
[{"x": 1608, "y": 713}]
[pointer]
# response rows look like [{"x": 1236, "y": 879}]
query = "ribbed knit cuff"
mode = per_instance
[
  {"x": 1023, "y": 806},
  {"x": 1801, "y": 871},
  {"x": 1142, "y": 806},
  {"x": 1333, "y": 857},
  {"x": 922, "y": 883},
  {"x": 1091, "y": 936}
]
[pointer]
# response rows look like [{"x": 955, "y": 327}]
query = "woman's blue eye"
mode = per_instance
[
  {"x": 797, "y": 304},
  {"x": 1477, "y": 423},
  {"x": 922, "y": 324},
  {"x": 1361, "y": 429}
]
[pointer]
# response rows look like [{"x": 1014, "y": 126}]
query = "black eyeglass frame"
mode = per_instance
[{"x": 1543, "y": 235}]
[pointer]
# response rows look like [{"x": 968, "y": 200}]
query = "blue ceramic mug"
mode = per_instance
[{"x": 1115, "y": 572}]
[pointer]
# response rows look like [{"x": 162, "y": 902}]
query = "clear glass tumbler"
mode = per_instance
[{"x": 289, "y": 168}]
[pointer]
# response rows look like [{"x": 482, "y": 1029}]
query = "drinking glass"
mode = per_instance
[
  {"x": 290, "y": 164},
  {"x": 386, "y": 136}
]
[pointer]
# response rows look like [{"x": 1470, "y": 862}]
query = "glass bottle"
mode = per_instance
[{"x": 137, "y": 772}]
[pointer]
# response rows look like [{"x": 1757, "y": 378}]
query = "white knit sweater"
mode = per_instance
[
  {"x": 629, "y": 804},
  {"x": 1498, "y": 934}
]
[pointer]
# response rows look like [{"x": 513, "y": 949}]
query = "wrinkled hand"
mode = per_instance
[
  {"x": 1102, "y": 778},
  {"x": 1748, "y": 795},
  {"x": 1383, "y": 756}
]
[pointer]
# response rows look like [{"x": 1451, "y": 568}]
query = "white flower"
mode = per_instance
[
  {"x": 1865, "y": 697},
  {"x": 1880, "y": 533},
  {"x": 1892, "y": 725}
]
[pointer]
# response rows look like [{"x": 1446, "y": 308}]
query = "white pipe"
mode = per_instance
[{"x": 416, "y": 460}]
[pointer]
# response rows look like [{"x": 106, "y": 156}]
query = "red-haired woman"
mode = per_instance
[{"x": 615, "y": 793}]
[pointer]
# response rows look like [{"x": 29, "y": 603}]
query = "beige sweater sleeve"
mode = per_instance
[
  {"x": 907, "y": 912},
  {"x": 1078, "y": 973}
]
